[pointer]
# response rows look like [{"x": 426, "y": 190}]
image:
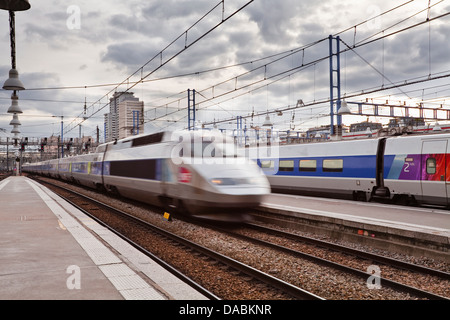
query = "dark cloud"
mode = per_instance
[
  {"x": 284, "y": 17},
  {"x": 173, "y": 9},
  {"x": 131, "y": 55},
  {"x": 116, "y": 39}
]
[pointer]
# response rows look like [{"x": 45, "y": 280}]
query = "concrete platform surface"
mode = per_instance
[{"x": 50, "y": 250}]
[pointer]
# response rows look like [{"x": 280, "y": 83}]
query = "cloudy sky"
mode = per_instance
[{"x": 72, "y": 51}]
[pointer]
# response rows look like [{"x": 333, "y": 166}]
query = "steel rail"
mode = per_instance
[
  {"x": 161, "y": 262},
  {"x": 358, "y": 253},
  {"x": 389, "y": 283},
  {"x": 286, "y": 287}
]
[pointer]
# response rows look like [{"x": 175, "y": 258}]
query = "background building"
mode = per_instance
[
  {"x": 119, "y": 121},
  {"x": 131, "y": 118}
]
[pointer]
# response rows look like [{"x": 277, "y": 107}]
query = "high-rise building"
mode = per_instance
[
  {"x": 112, "y": 119},
  {"x": 131, "y": 118}
]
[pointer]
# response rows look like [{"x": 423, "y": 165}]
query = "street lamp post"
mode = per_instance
[{"x": 13, "y": 83}]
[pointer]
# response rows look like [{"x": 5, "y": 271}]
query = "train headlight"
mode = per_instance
[
  {"x": 223, "y": 181},
  {"x": 237, "y": 181},
  {"x": 217, "y": 181}
]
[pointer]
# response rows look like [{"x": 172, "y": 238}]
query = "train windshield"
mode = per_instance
[
  {"x": 203, "y": 145},
  {"x": 213, "y": 149}
]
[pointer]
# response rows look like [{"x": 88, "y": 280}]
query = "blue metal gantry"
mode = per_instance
[{"x": 335, "y": 84}]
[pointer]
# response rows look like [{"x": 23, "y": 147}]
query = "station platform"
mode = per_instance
[
  {"x": 49, "y": 250},
  {"x": 410, "y": 230}
]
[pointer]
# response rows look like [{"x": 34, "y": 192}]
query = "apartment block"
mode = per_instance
[
  {"x": 119, "y": 121},
  {"x": 131, "y": 118}
]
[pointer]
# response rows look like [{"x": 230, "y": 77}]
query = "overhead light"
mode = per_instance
[
  {"x": 15, "y": 130},
  {"x": 267, "y": 122},
  {"x": 15, "y": 5},
  {"x": 14, "y": 105},
  {"x": 15, "y": 121},
  {"x": 344, "y": 109},
  {"x": 13, "y": 82},
  {"x": 437, "y": 127}
]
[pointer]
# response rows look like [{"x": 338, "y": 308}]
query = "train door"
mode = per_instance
[
  {"x": 434, "y": 175},
  {"x": 166, "y": 176}
]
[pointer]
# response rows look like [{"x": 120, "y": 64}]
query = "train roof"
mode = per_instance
[
  {"x": 165, "y": 136},
  {"x": 134, "y": 141}
]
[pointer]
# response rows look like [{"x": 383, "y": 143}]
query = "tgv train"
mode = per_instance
[
  {"x": 195, "y": 171},
  {"x": 405, "y": 168}
]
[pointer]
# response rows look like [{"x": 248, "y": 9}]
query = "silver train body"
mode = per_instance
[
  {"x": 412, "y": 168},
  {"x": 195, "y": 171}
]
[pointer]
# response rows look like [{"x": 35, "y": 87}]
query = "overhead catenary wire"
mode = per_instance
[
  {"x": 210, "y": 70},
  {"x": 127, "y": 81},
  {"x": 72, "y": 126},
  {"x": 371, "y": 65},
  {"x": 355, "y": 95},
  {"x": 220, "y": 67},
  {"x": 398, "y": 23},
  {"x": 133, "y": 83},
  {"x": 375, "y": 17},
  {"x": 349, "y": 48}
]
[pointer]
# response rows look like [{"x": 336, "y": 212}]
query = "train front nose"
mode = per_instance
[
  {"x": 230, "y": 198},
  {"x": 241, "y": 185}
]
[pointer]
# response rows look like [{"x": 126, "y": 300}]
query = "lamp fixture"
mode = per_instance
[
  {"x": 267, "y": 122},
  {"x": 15, "y": 5},
  {"x": 15, "y": 130},
  {"x": 13, "y": 82},
  {"x": 344, "y": 109},
  {"x": 15, "y": 120},
  {"x": 437, "y": 127},
  {"x": 14, "y": 105}
]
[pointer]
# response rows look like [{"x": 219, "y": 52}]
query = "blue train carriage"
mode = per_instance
[
  {"x": 405, "y": 169},
  {"x": 32, "y": 168},
  {"x": 53, "y": 166},
  {"x": 43, "y": 168},
  {"x": 345, "y": 169},
  {"x": 417, "y": 168},
  {"x": 87, "y": 170},
  {"x": 65, "y": 169}
]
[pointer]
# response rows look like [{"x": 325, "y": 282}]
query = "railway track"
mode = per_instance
[
  {"x": 348, "y": 260},
  {"x": 285, "y": 247},
  {"x": 199, "y": 265},
  {"x": 5, "y": 175}
]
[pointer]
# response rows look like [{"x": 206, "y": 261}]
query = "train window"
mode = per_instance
[
  {"x": 333, "y": 165},
  {"x": 431, "y": 166},
  {"x": 308, "y": 165},
  {"x": 146, "y": 140},
  {"x": 286, "y": 165},
  {"x": 267, "y": 164}
]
